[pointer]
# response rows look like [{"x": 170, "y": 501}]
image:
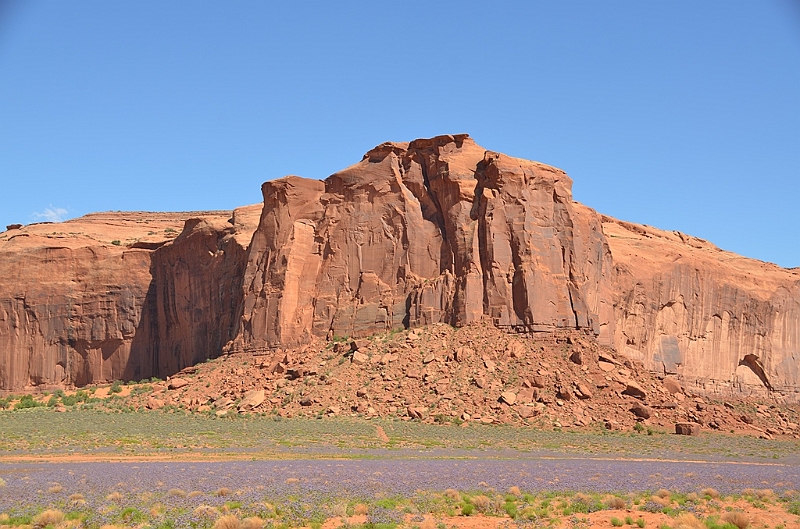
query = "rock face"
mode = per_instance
[
  {"x": 80, "y": 302},
  {"x": 721, "y": 322},
  {"x": 432, "y": 231}
]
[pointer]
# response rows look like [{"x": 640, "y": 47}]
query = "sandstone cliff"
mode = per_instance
[
  {"x": 432, "y": 231},
  {"x": 724, "y": 323},
  {"x": 80, "y": 302}
]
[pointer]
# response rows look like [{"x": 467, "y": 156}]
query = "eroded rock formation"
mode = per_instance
[
  {"x": 432, "y": 231},
  {"x": 113, "y": 296},
  {"x": 724, "y": 323}
]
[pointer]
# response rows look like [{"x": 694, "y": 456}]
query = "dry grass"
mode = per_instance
[
  {"x": 481, "y": 502},
  {"x": 339, "y": 509},
  {"x": 110, "y": 526},
  {"x": 157, "y": 510},
  {"x": 224, "y": 491},
  {"x": 4, "y": 518},
  {"x": 514, "y": 491},
  {"x": 663, "y": 493},
  {"x": 360, "y": 509},
  {"x": 765, "y": 494},
  {"x": 76, "y": 497},
  {"x": 55, "y": 489},
  {"x": 48, "y": 517},
  {"x": 664, "y": 502},
  {"x": 453, "y": 494},
  {"x": 739, "y": 519},
  {"x": 692, "y": 497},
  {"x": 711, "y": 493},
  {"x": 206, "y": 510},
  {"x": 615, "y": 502},
  {"x": 228, "y": 522},
  {"x": 195, "y": 494},
  {"x": 292, "y": 481},
  {"x": 177, "y": 492},
  {"x": 688, "y": 521},
  {"x": 254, "y": 522},
  {"x": 115, "y": 497}
]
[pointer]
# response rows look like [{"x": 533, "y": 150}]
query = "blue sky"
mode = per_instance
[{"x": 683, "y": 115}]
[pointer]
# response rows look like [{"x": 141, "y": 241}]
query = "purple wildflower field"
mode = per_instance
[{"x": 29, "y": 487}]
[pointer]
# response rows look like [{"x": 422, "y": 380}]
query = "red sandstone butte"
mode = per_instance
[{"x": 435, "y": 230}]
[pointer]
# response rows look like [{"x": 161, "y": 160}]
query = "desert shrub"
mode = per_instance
[
  {"x": 692, "y": 497},
  {"x": 737, "y": 518},
  {"x": 116, "y": 387},
  {"x": 640, "y": 523},
  {"x": 765, "y": 494},
  {"x": 452, "y": 494},
  {"x": 227, "y": 522},
  {"x": 195, "y": 494},
  {"x": 48, "y": 517},
  {"x": 688, "y": 521},
  {"x": 510, "y": 508},
  {"x": 709, "y": 493},
  {"x": 115, "y": 497},
  {"x": 663, "y": 493},
  {"x": 254, "y": 522},
  {"x": 223, "y": 491},
  {"x": 132, "y": 514},
  {"x": 481, "y": 502},
  {"x": 616, "y": 522},
  {"x": 514, "y": 491},
  {"x": 467, "y": 509},
  {"x": 26, "y": 401},
  {"x": 360, "y": 509},
  {"x": 628, "y": 520},
  {"x": 177, "y": 492},
  {"x": 206, "y": 510},
  {"x": 615, "y": 502},
  {"x": 55, "y": 489}
]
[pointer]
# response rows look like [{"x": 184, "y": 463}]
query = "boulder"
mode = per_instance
[
  {"x": 672, "y": 385},
  {"x": 252, "y": 399},
  {"x": 687, "y": 428},
  {"x": 577, "y": 357},
  {"x": 633, "y": 389},
  {"x": 582, "y": 391},
  {"x": 359, "y": 358},
  {"x": 509, "y": 397},
  {"x": 641, "y": 411},
  {"x": 177, "y": 383}
]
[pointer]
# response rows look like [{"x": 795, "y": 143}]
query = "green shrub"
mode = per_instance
[
  {"x": 616, "y": 522},
  {"x": 116, "y": 387},
  {"x": 27, "y": 402},
  {"x": 467, "y": 509}
]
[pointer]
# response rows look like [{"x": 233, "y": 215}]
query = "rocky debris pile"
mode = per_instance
[{"x": 472, "y": 374}]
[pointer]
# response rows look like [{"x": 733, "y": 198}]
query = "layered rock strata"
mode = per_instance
[
  {"x": 724, "y": 323},
  {"x": 116, "y": 296},
  {"x": 432, "y": 231},
  {"x": 424, "y": 232}
]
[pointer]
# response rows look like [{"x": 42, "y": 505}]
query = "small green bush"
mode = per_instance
[
  {"x": 27, "y": 402},
  {"x": 116, "y": 387}
]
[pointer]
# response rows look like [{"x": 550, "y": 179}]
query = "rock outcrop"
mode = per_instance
[
  {"x": 722, "y": 322},
  {"x": 432, "y": 231},
  {"x": 113, "y": 296}
]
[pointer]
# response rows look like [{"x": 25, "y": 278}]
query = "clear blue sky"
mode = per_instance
[{"x": 679, "y": 114}]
